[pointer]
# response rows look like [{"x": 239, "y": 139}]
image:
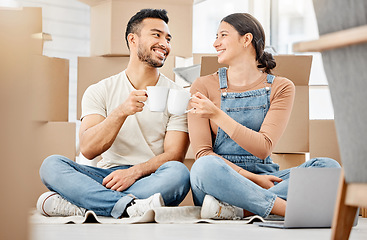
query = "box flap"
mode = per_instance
[
  {"x": 43, "y": 36},
  {"x": 297, "y": 68}
]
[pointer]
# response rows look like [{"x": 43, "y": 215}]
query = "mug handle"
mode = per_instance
[{"x": 187, "y": 111}]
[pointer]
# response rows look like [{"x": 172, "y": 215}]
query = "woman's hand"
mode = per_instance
[
  {"x": 266, "y": 181},
  {"x": 203, "y": 107}
]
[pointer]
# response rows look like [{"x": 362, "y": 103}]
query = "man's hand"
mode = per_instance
[
  {"x": 134, "y": 103},
  {"x": 120, "y": 180},
  {"x": 266, "y": 181}
]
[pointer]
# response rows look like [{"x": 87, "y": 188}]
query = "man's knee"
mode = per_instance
[
  {"x": 50, "y": 166},
  {"x": 178, "y": 170}
]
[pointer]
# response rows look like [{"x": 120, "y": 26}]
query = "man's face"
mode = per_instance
[{"x": 154, "y": 42}]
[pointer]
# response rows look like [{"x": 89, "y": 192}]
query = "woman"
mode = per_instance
[{"x": 239, "y": 116}]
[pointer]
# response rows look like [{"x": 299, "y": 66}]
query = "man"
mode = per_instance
[{"x": 142, "y": 151}]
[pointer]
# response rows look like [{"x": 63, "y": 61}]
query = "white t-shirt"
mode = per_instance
[{"x": 141, "y": 137}]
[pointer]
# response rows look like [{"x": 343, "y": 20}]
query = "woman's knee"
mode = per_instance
[{"x": 203, "y": 168}]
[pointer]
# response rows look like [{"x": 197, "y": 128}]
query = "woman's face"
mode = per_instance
[{"x": 229, "y": 44}]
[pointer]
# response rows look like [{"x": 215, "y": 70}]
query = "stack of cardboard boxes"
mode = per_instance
[
  {"x": 15, "y": 140},
  {"x": 49, "y": 94},
  {"x": 34, "y": 92}
]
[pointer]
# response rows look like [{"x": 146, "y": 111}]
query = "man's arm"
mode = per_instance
[
  {"x": 175, "y": 147},
  {"x": 97, "y": 133}
]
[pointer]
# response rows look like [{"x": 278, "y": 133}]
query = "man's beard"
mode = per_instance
[{"x": 146, "y": 56}]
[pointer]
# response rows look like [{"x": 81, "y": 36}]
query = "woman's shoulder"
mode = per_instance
[{"x": 283, "y": 83}]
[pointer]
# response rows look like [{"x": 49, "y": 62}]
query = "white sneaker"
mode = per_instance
[
  {"x": 214, "y": 209},
  {"x": 140, "y": 206},
  {"x": 52, "y": 204}
]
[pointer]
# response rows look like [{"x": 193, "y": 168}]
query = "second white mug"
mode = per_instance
[{"x": 177, "y": 101}]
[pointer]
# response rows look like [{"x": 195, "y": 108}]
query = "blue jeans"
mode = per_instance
[
  {"x": 82, "y": 185},
  {"x": 212, "y": 175}
]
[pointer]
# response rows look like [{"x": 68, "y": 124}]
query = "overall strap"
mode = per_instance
[
  {"x": 270, "y": 78},
  {"x": 222, "y": 78}
]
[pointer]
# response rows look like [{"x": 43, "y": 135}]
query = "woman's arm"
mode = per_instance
[{"x": 199, "y": 129}]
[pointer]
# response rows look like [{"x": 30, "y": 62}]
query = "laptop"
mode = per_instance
[{"x": 312, "y": 194}]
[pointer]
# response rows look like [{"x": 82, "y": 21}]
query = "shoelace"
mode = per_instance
[{"x": 64, "y": 207}]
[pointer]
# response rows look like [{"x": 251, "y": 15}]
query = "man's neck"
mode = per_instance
[{"x": 141, "y": 75}]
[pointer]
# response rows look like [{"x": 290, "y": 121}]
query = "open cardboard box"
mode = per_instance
[
  {"x": 110, "y": 17},
  {"x": 296, "y": 68}
]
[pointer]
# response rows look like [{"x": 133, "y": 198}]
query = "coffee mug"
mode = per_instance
[
  {"x": 157, "y": 98},
  {"x": 177, "y": 101}
]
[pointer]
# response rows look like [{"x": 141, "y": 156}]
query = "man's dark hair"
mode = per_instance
[{"x": 135, "y": 21}]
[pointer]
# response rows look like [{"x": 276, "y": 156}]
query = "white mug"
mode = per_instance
[
  {"x": 157, "y": 98},
  {"x": 177, "y": 101}
]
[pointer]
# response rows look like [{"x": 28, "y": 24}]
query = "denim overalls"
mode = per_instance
[
  {"x": 249, "y": 109},
  {"x": 212, "y": 175}
]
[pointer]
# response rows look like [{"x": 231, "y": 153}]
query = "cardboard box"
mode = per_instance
[
  {"x": 93, "y": 69},
  {"x": 297, "y": 69},
  {"x": 50, "y": 138},
  {"x": 22, "y": 22},
  {"x": 50, "y": 88},
  {"x": 55, "y": 138},
  {"x": 110, "y": 17},
  {"x": 26, "y": 20},
  {"x": 198, "y": 56},
  {"x": 289, "y": 160},
  {"x": 323, "y": 140}
]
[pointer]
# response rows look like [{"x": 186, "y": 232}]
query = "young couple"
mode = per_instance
[{"x": 239, "y": 115}]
